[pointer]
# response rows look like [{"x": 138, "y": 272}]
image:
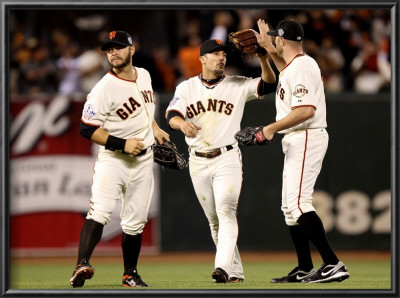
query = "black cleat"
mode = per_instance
[
  {"x": 329, "y": 273},
  {"x": 235, "y": 280},
  {"x": 296, "y": 275},
  {"x": 132, "y": 279},
  {"x": 219, "y": 276},
  {"x": 82, "y": 272}
]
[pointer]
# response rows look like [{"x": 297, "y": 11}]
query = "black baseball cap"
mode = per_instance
[
  {"x": 119, "y": 38},
  {"x": 288, "y": 29},
  {"x": 213, "y": 44}
]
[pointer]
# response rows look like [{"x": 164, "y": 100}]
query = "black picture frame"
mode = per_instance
[{"x": 6, "y": 6}]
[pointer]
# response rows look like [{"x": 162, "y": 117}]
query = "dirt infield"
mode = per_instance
[{"x": 209, "y": 256}]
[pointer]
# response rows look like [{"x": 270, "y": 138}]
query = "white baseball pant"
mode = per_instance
[
  {"x": 304, "y": 153},
  {"x": 116, "y": 176},
  {"x": 217, "y": 182}
]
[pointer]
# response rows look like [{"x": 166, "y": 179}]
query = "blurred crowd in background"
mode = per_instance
[{"x": 58, "y": 51}]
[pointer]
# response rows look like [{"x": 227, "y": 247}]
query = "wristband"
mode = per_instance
[{"x": 114, "y": 143}]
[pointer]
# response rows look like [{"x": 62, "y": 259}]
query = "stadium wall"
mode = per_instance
[
  {"x": 51, "y": 167},
  {"x": 352, "y": 193}
]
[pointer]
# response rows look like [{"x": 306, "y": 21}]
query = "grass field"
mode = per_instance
[{"x": 194, "y": 272}]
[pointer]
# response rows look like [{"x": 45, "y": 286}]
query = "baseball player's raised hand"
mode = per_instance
[
  {"x": 134, "y": 146},
  {"x": 189, "y": 129},
  {"x": 263, "y": 38},
  {"x": 265, "y": 41}
]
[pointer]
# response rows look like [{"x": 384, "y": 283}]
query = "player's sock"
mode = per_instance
[
  {"x": 302, "y": 245},
  {"x": 314, "y": 229},
  {"x": 90, "y": 235},
  {"x": 131, "y": 245}
]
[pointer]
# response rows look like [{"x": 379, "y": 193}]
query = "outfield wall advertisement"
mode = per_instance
[{"x": 51, "y": 169}]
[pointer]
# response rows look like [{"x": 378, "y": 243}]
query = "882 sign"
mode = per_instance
[{"x": 354, "y": 212}]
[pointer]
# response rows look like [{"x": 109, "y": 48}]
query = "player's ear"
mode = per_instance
[{"x": 133, "y": 49}]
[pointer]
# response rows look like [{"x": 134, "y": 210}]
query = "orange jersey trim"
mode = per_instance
[
  {"x": 302, "y": 172},
  {"x": 295, "y": 107},
  {"x": 298, "y": 55},
  {"x": 166, "y": 114},
  {"x": 89, "y": 123},
  {"x": 258, "y": 87},
  {"x": 205, "y": 83},
  {"x": 115, "y": 75}
]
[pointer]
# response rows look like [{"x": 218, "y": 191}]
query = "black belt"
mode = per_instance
[
  {"x": 145, "y": 151},
  {"x": 213, "y": 153}
]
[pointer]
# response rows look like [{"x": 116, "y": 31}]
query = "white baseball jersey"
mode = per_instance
[
  {"x": 123, "y": 108},
  {"x": 218, "y": 110},
  {"x": 304, "y": 145},
  {"x": 300, "y": 84},
  {"x": 209, "y": 106}
]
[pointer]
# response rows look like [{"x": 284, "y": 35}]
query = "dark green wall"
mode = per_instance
[{"x": 356, "y": 169}]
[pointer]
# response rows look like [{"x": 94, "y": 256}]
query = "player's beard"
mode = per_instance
[
  {"x": 218, "y": 72},
  {"x": 119, "y": 65}
]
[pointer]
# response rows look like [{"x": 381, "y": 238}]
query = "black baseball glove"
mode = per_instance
[
  {"x": 247, "y": 135},
  {"x": 167, "y": 155},
  {"x": 246, "y": 41}
]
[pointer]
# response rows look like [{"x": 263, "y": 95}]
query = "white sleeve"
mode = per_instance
[
  {"x": 96, "y": 108},
  {"x": 303, "y": 85},
  {"x": 252, "y": 88},
  {"x": 178, "y": 102}
]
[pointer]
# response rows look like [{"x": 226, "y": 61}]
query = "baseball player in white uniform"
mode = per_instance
[
  {"x": 301, "y": 118},
  {"x": 208, "y": 109},
  {"x": 119, "y": 116}
]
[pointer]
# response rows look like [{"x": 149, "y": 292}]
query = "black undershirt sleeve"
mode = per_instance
[
  {"x": 170, "y": 115},
  {"x": 265, "y": 88},
  {"x": 87, "y": 131}
]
